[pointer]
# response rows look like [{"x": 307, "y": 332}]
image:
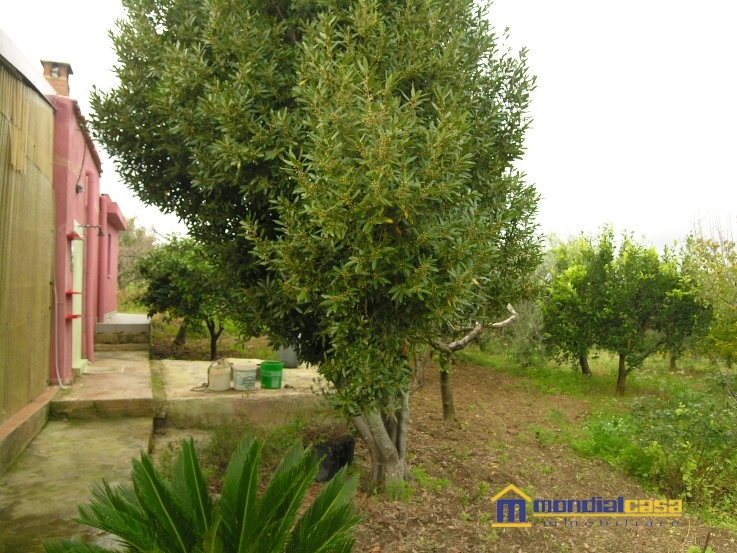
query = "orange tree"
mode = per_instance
[
  {"x": 350, "y": 161},
  {"x": 627, "y": 300},
  {"x": 181, "y": 280}
]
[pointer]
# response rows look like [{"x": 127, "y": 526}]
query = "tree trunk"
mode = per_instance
[
  {"x": 215, "y": 331},
  {"x": 422, "y": 356},
  {"x": 584, "y": 362},
  {"x": 387, "y": 446},
  {"x": 621, "y": 376},
  {"x": 446, "y": 390},
  {"x": 672, "y": 361},
  {"x": 181, "y": 338}
]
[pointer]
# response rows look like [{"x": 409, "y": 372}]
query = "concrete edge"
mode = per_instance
[
  {"x": 20, "y": 429},
  {"x": 141, "y": 407},
  {"x": 207, "y": 412}
]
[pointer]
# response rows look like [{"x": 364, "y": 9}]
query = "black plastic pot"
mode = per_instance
[{"x": 337, "y": 454}]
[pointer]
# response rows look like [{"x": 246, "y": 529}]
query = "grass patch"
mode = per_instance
[{"x": 424, "y": 480}]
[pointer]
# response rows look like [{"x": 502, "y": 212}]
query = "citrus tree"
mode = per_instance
[
  {"x": 627, "y": 299},
  {"x": 352, "y": 163},
  {"x": 575, "y": 300},
  {"x": 181, "y": 280}
]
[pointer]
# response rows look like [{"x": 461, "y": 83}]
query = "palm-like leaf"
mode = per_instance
[
  {"x": 279, "y": 505},
  {"x": 191, "y": 489},
  {"x": 238, "y": 500},
  {"x": 327, "y": 525},
  {"x": 116, "y": 511},
  {"x": 157, "y": 517},
  {"x": 174, "y": 530}
]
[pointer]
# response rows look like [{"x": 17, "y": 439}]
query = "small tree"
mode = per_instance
[
  {"x": 182, "y": 281},
  {"x": 573, "y": 306},
  {"x": 686, "y": 316}
]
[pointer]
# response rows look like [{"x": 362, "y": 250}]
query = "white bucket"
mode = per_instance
[
  {"x": 244, "y": 376},
  {"x": 218, "y": 377}
]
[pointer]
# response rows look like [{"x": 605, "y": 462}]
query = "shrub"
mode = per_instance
[
  {"x": 681, "y": 443},
  {"x": 181, "y": 516}
]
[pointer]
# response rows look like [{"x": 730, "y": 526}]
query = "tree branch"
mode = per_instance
[
  {"x": 471, "y": 336},
  {"x": 508, "y": 320}
]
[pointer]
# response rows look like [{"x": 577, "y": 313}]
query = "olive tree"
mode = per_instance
[
  {"x": 352, "y": 163},
  {"x": 711, "y": 260}
]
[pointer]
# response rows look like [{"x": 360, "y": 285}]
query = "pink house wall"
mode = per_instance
[
  {"x": 77, "y": 173},
  {"x": 113, "y": 223}
]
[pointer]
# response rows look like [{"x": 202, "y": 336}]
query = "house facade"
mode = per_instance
[
  {"x": 59, "y": 235},
  {"x": 87, "y": 227}
]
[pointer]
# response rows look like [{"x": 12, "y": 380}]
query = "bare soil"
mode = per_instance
[{"x": 508, "y": 433}]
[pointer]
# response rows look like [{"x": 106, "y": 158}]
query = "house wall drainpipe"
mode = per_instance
[
  {"x": 90, "y": 265},
  {"x": 102, "y": 266}
]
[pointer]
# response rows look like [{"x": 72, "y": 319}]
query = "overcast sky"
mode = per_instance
[{"x": 635, "y": 111}]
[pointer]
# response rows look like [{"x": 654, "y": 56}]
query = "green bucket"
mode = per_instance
[{"x": 271, "y": 372}]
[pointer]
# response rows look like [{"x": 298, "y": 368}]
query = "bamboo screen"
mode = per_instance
[{"x": 26, "y": 242}]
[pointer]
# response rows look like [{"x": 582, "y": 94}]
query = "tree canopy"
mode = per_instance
[
  {"x": 181, "y": 280},
  {"x": 626, "y": 299},
  {"x": 352, "y": 162},
  {"x": 712, "y": 262}
]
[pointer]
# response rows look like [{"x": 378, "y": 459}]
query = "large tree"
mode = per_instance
[{"x": 353, "y": 163}]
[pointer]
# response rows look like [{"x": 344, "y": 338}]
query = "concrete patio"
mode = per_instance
[{"x": 107, "y": 417}]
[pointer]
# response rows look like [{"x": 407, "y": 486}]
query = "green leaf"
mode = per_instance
[{"x": 191, "y": 488}]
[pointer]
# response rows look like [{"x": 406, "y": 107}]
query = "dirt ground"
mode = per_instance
[{"x": 508, "y": 434}]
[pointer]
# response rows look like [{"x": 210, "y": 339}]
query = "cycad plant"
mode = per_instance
[{"x": 158, "y": 516}]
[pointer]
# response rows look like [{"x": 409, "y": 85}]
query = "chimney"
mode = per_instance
[{"x": 57, "y": 73}]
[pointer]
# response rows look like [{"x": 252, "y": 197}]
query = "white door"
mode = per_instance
[{"x": 77, "y": 283}]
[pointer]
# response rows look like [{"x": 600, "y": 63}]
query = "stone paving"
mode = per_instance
[{"x": 106, "y": 418}]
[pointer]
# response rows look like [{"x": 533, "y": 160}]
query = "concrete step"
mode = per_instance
[
  {"x": 130, "y": 331},
  {"x": 183, "y": 407},
  {"x": 117, "y": 384},
  {"x": 19, "y": 430}
]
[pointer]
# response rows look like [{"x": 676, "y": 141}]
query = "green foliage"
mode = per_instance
[
  {"x": 712, "y": 263},
  {"x": 352, "y": 162},
  {"x": 574, "y": 302},
  {"x": 399, "y": 491},
  {"x": 681, "y": 443},
  {"x": 181, "y": 516},
  {"x": 524, "y": 340},
  {"x": 426, "y": 481},
  {"x": 183, "y": 281},
  {"x": 629, "y": 302}
]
